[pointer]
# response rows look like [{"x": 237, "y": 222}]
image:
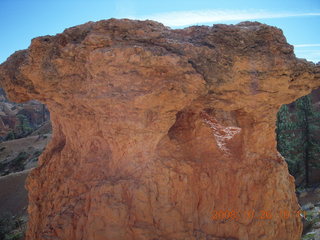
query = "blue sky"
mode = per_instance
[{"x": 22, "y": 20}]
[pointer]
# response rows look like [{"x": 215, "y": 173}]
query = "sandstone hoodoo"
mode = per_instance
[{"x": 159, "y": 133}]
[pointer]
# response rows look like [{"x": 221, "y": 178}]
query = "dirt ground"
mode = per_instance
[
  {"x": 13, "y": 195},
  {"x": 28, "y": 144}
]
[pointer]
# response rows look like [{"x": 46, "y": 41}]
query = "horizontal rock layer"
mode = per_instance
[{"x": 158, "y": 133}]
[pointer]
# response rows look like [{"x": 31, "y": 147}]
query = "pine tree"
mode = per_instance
[
  {"x": 298, "y": 137},
  {"x": 289, "y": 142},
  {"x": 312, "y": 140},
  {"x": 24, "y": 124},
  {"x": 303, "y": 107}
]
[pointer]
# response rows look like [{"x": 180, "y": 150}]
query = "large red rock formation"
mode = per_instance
[{"x": 158, "y": 130}]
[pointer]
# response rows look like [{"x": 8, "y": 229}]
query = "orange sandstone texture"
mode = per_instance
[{"x": 154, "y": 129}]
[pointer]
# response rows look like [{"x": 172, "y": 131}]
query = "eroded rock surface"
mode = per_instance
[{"x": 156, "y": 129}]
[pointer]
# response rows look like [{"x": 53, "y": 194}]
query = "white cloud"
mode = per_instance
[
  {"x": 309, "y": 51},
  {"x": 307, "y": 45},
  {"x": 311, "y": 55},
  {"x": 184, "y": 18}
]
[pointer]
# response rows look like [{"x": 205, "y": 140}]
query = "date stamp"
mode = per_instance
[{"x": 224, "y": 215}]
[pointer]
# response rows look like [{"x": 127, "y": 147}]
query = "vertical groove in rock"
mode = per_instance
[{"x": 155, "y": 130}]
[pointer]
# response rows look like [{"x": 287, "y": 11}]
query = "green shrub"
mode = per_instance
[
  {"x": 2, "y": 166},
  {"x": 24, "y": 125},
  {"x": 309, "y": 236},
  {"x": 6, "y": 225},
  {"x": 37, "y": 153},
  {"x": 11, "y": 227},
  {"x": 14, "y": 236},
  {"x": 17, "y": 163},
  {"x": 10, "y": 136}
]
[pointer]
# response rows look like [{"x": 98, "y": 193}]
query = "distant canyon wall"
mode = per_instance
[
  {"x": 20, "y": 120},
  {"x": 161, "y": 134}
]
